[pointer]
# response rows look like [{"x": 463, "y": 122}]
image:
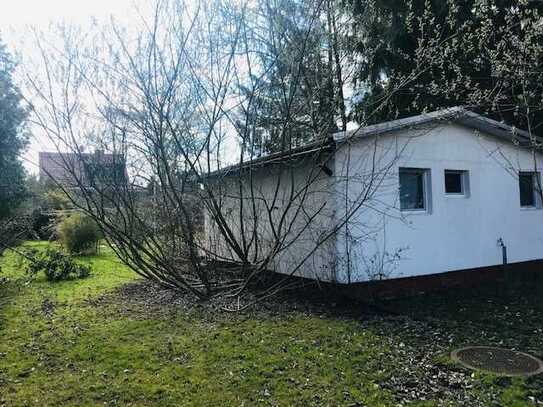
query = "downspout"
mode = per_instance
[
  {"x": 506, "y": 275},
  {"x": 347, "y": 229},
  {"x": 504, "y": 251}
]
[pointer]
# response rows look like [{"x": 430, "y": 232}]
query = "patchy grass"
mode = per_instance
[
  {"x": 57, "y": 348},
  {"x": 430, "y": 326},
  {"x": 84, "y": 342}
]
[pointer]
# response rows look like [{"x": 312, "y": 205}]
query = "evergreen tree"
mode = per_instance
[
  {"x": 296, "y": 100},
  {"x": 13, "y": 137},
  {"x": 422, "y": 55}
]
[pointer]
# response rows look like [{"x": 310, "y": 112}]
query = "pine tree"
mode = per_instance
[
  {"x": 13, "y": 137},
  {"x": 297, "y": 99},
  {"x": 422, "y": 55}
]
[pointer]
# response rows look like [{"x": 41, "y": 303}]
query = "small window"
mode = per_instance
[
  {"x": 456, "y": 182},
  {"x": 527, "y": 186},
  {"x": 413, "y": 189}
]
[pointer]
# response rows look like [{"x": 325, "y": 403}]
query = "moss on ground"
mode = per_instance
[{"x": 60, "y": 347}]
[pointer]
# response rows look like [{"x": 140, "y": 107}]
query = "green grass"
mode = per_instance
[
  {"x": 108, "y": 272},
  {"x": 62, "y": 346},
  {"x": 82, "y": 354}
]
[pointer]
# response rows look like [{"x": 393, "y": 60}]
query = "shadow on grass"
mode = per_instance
[
  {"x": 512, "y": 309},
  {"x": 415, "y": 334},
  {"x": 9, "y": 290}
]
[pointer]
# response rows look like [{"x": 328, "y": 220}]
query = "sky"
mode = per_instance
[
  {"x": 19, "y": 16},
  {"x": 20, "y": 13},
  {"x": 16, "y": 17}
]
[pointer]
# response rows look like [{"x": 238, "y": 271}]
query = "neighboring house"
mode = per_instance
[
  {"x": 446, "y": 191},
  {"x": 84, "y": 169}
]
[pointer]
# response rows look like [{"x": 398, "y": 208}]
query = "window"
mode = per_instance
[
  {"x": 414, "y": 189},
  {"x": 456, "y": 182},
  {"x": 527, "y": 186}
]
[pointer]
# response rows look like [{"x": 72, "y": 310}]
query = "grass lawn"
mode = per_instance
[{"x": 84, "y": 343}]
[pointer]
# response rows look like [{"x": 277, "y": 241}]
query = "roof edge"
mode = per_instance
[
  {"x": 320, "y": 145},
  {"x": 457, "y": 114}
]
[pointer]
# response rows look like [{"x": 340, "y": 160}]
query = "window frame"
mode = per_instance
[
  {"x": 426, "y": 190},
  {"x": 537, "y": 204},
  {"x": 464, "y": 183}
]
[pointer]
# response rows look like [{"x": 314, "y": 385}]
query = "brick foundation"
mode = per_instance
[{"x": 408, "y": 286}]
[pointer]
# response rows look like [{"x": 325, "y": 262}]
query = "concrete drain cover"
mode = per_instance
[{"x": 503, "y": 362}]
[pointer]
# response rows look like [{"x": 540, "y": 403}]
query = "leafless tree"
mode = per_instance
[{"x": 199, "y": 207}]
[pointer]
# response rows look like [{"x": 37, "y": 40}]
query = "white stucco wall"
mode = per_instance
[
  {"x": 457, "y": 232},
  {"x": 283, "y": 189}
]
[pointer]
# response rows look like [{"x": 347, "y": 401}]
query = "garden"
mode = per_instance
[
  {"x": 112, "y": 338},
  {"x": 195, "y": 150}
]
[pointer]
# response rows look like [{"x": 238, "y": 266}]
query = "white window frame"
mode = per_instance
[
  {"x": 426, "y": 190},
  {"x": 464, "y": 179},
  {"x": 537, "y": 197}
]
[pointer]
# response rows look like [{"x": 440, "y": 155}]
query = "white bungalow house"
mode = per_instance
[{"x": 439, "y": 192}]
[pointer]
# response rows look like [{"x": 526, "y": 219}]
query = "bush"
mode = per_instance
[
  {"x": 56, "y": 199},
  {"x": 13, "y": 231},
  {"x": 79, "y": 234},
  {"x": 56, "y": 265},
  {"x": 44, "y": 224}
]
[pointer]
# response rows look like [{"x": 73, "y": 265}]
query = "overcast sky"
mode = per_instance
[{"x": 18, "y": 15}]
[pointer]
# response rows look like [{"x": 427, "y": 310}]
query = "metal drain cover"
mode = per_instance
[{"x": 502, "y": 362}]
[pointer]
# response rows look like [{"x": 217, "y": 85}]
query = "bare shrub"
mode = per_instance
[{"x": 220, "y": 115}]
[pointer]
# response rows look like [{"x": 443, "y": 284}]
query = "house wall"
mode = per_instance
[
  {"x": 456, "y": 232},
  {"x": 71, "y": 169},
  {"x": 281, "y": 187}
]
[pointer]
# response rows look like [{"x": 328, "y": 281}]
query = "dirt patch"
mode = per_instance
[
  {"x": 48, "y": 307},
  {"x": 146, "y": 295}
]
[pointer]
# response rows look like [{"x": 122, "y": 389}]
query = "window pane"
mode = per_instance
[
  {"x": 411, "y": 189},
  {"x": 453, "y": 182},
  {"x": 526, "y": 185}
]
